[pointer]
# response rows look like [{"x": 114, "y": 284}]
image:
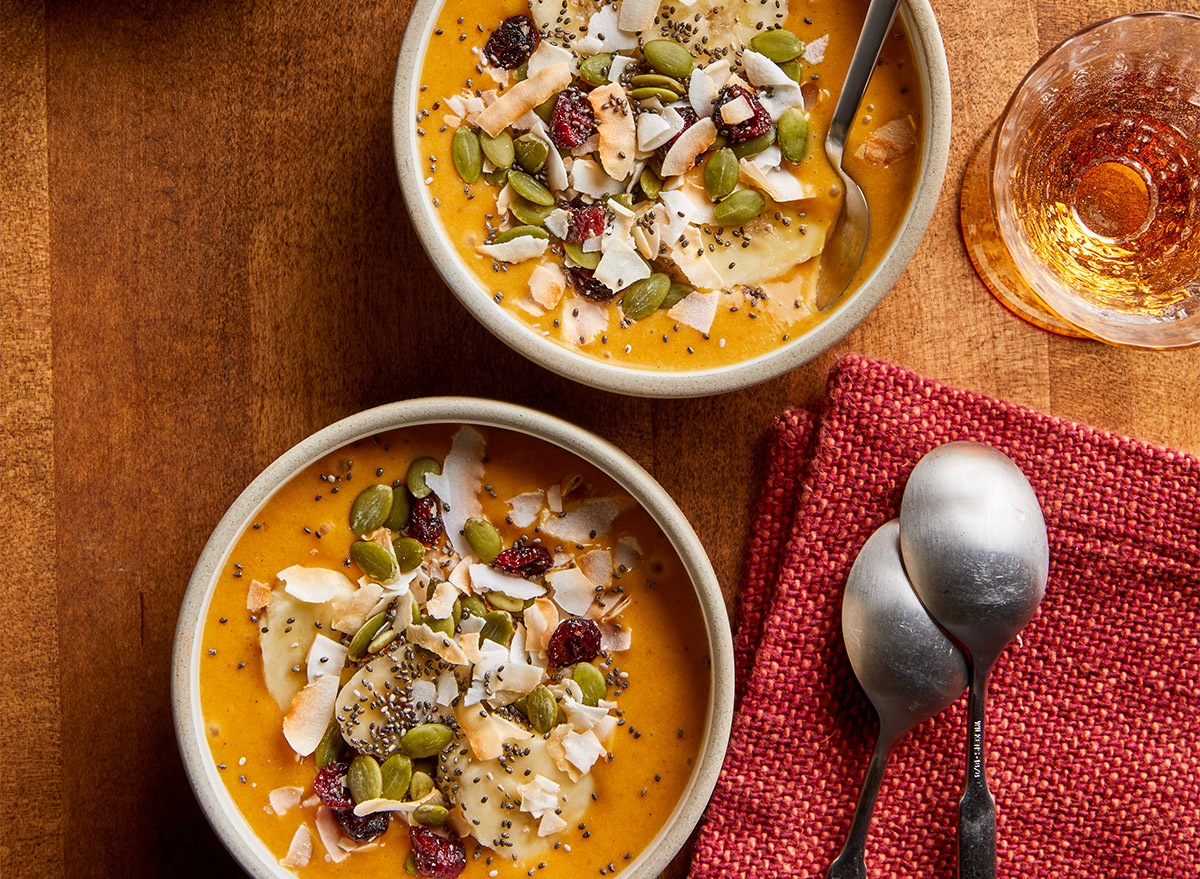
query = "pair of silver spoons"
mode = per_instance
[{"x": 970, "y": 551}]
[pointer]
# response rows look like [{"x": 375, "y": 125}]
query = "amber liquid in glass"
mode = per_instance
[{"x": 1107, "y": 189}]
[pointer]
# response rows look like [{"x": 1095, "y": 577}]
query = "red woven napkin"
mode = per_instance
[{"x": 1094, "y": 718}]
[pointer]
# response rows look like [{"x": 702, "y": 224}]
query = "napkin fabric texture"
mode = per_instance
[{"x": 1093, "y": 724}]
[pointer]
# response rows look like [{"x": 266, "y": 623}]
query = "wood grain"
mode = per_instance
[{"x": 206, "y": 257}]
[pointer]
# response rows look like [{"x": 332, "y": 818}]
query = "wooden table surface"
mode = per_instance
[{"x": 206, "y": 257}]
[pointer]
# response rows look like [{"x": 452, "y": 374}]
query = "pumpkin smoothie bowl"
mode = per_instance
[
  {"x": 451, "y": 637},
  {"x": 637, "y": 195}
]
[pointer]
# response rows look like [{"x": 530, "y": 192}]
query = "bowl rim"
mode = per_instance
[
  {"x": 218, "y": 807},
  {"x": 929, "y": 51}
]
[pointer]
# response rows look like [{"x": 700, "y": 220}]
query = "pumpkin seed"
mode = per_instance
[
  {"x": 755, "y": 145},
  {"x": 595, "y": 69},
  {"x": 484, "y": 538},
  {"x": 375, "y": 561},
  {"x": 397, "y": 772},
  {"x": 496, "y": 178},
  {"x": 624, "y": 199},
  {"x": 542, "y": 709},
  {"x": 364, "y": 778},
  {"x": 591, "y": 682},
  {"x": 473, "y": 606},
  {"x": 498, "y": 149},
  {"x": 720, "y": 174},
  {"x": 442, "y": 627},
  {"x": 519, "y": 232},
  {"x": 383, "y": 639},
  {"x": 677, "y": 293},
  {"x": 588, "y": 259},
  {"x": 466, "y": 154},
  {"x": 643, "y": 297},
  {"x": 645, "y": 93},
  {"x": 531, "y": 153},
  {"x": 669, "y": 58},
  {"x": 504, "y": 602},
  {"x": 529, "y": 189},
  {"x": 546, "y": 108},
  {"x": 657, "y": 80},
  {"x": 497, "y": 626},
  {"x": 719, "y": 144},
  {"x": 431, "y": 815},
  {"x": 793, "y": 134},
  {"x": 365, "y": 635},
  {"x": 793, "y": 70},
  {"x": 331, "y": 747},
  {"x": 528, "y": 213},
  {"x": 456, "y": 612},
  {"x": 398, "y": 517},
  {"x": 651, "y": 185},
  {"x": 416, "y": 476},
  {"x": 741, "y": 207},
  {"x": 420, "y": 786},
  {"x": 778, "y": 45},
  {"x": 410, "y": 552},
  {"x": 521, "y": 73},
  {"x": 426, "y": 740},
  {"x": 410, "y": 862},
  {"x": 370, "y": 508}
]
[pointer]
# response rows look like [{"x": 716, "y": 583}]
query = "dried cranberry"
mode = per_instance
[
  {"x": 424, "y": 520},
  {"x": 366, "y": 827},
  {"x": 575, "y": 640},
  {"x": 572, "y": 121},
  {"x": 437, "y": 857},
  {"x": 511, "y": 44},
  {"x": 330, "y": 786},
  {"x": 525, "y": 561},
  {"x": 759, "y": 123},
  {"x": 585, "y": 284},
  {"x": 689, "y": 119},
  {"x": 587, "y": 221}
]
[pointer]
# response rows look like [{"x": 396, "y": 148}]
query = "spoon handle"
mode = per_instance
[
  {"x": 879, "y": 20},
  {"x": 850, "y": 863},
  {"x": 977, "y": 808}
]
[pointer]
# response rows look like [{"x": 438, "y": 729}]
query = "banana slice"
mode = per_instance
[
  {"x": 487, "y": 797},
  {"x": 707, "y": 27},
  {"x": 289, "y": 627}
]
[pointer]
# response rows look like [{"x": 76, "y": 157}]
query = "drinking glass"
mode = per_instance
[{"x": 1084, "y": 216}]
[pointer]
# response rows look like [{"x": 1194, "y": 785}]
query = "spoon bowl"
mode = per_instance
[
  {"x": 974, "y": 544},
  {"x": 847, "y": 241},
  {"x": 906, "y": 665}
]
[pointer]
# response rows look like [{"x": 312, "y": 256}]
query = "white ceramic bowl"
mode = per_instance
[
  {"x": 930, "y": 57},
  {"x": 210, "y": 790}
]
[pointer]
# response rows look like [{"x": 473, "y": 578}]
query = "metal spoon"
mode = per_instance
[
  {"x": 908, "y": 667},
  {"x": 847, "y": 241},
  {"x": 975, "y": 547}
]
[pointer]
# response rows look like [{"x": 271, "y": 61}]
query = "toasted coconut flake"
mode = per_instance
[
  {"x": 442, "y": 604},
  {"x": 461, "y": 479},
  {"x": 619, "y": 63},
  {"x": 539, "y": 795},
  {"x": 617, "y": 129},
  {"x": 558, "y": 222},
  {"x": 696, "y": 310},
  {"x": 573, "y": 591},
  {"x": 330, "y": 832},
  {"x": 557, "y": 753},
  {"x": 258, "y": 596},
  {"x": 554, "y": 498},
  {"x": 776, "y": 91},
  {"x": 406, "y": 807},
  {"x": 486, "y": 733},
  {"x": 737, "y": 110},
  {"x": 523, "y": 97},
  {"x": 313, "y": 585},
  {"x": 461, "y": 575},
  {"x": 446, "y": 648},
  {"x": 605, "y": 34},
  {"x": 284, "y": 799},
  {"x": 814, "y": 52},
  {"x": 604, "y": 613},
  {"x": 541, "y": 620},
  {"x": 310, "y": 713},
  {"x": 778, "y": 183},
  {"x": 325, "y": 657},
  {"x": 547, "y": 284},
  {"x": 520, "y": 249},
  {"x": 683, "y": 153},
  {"x": 889, "y": 142},
  {"x": 582, "y": 319},
  {"x": 547, "y": 55},
  {"x": 592, "y": 180},
  {"x": 299, "y": 850},
  {"x": 614, "y": 640},
  {"x": 592, "y": 518},
  {"x": 551, "y": 824},
  {"x": 652, "y": 131},
  {"x": 621, "y": 266},
  {"x": 470, "y": 643},
  {"x": 597, "y": 566},
  {"x": 699, "y": 270},
  {"x": 702, "y": 92},
  {"x": 637, "y": 15},
  {"x": 629, "y": 553},
  {"x": 350, "y": 612},
  {"x": 582, "y": 749},
  {"x": 447, "y": 687},
  {"x": 491, "y": 580},
  {"x": 523, "y": 508}
]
